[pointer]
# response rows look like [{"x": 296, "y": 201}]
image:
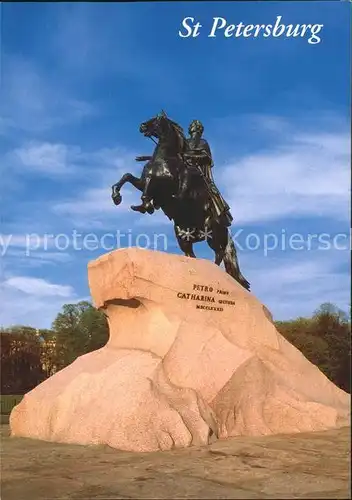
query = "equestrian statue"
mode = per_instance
[{"x": 178, "y": 179}]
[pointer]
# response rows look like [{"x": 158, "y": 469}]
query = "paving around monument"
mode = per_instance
[{"x": 194, "y": 369}]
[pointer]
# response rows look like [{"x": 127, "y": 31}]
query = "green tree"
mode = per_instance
[
  {"x": 324, "y": 339},
  {"x": 49, "y": 355},
  {"x": 299, "y": 333},
  {"x": 333, "y": 326},
  {"x": 78, "y": 329},
  {"x": 21, "y": 367}
]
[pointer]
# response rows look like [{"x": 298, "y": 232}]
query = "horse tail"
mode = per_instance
[{"x": 231, "y": 262}]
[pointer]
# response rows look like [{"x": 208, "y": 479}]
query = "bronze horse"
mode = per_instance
[{"x": 159, "y": 183}]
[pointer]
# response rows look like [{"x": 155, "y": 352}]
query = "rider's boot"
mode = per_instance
[{"x": 146, "y": 206}]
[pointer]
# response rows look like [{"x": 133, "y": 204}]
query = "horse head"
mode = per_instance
[{"x": 164, "y": 129}]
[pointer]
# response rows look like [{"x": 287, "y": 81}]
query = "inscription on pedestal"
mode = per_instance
[{"x": 208, "y": 298}]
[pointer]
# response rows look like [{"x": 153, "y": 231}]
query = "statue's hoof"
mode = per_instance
[{"x": 116, "y": 198}]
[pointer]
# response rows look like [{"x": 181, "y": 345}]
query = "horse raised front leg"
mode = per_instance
[{"x": 135, "y": 181}]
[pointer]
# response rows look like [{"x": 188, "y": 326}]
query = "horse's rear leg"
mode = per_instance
[
  {"x": 217, "y": 243},
  {"x": 147, "y": 204},
  {"x": 219, "y": 252}
]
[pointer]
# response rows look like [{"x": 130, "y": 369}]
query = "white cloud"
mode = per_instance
[
  {"x": 93, "y": 207},
  {"x": 32, "y": 245},
  {"x": 296, "y": 283},
  {"x": 32, "y": 301},
  {"x": 307, "y": 175},
  {"x": 35, "y": 103},
  {"x": 90, "y": 206},
  {"x": 38, "y": 287},
  {"x": 103, "y": 166},
  {"x": 36, "y": 259},
  {"x": 46, "y": 158},
  {"x": 94, "y": 201},
  {"x": 24, "y": 240},
  {"x": 96, "y": 210}
]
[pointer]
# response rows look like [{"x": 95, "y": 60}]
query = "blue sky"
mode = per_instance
[{"x": 78, "y": 79}]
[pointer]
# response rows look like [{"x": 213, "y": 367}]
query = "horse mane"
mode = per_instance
[{"x": 179, "y": 131}]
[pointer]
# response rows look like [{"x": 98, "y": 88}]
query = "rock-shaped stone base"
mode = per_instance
[{"x": 192, "y": 356}]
